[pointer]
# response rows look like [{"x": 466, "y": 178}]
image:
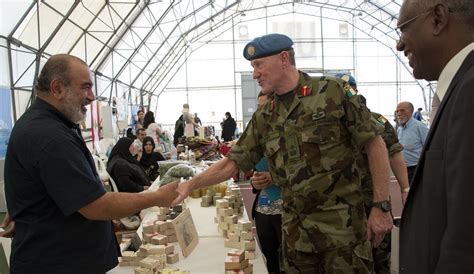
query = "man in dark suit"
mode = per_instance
[{"x": 437, "y": 229}]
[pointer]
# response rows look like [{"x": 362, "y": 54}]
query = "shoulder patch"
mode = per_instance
[
  {"x": 349, "y": 90},
  {"x": 382, "y": 120}
]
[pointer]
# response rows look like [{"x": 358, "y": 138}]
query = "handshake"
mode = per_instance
[{"x": 173, "y": 193}]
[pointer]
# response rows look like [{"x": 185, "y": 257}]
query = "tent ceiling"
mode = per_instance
[{"x": 141, "y": 44}]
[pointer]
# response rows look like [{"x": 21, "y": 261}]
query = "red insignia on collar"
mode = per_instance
[
  {"x": 272, "y": 107},
  {"x": 304, "y": 91}
]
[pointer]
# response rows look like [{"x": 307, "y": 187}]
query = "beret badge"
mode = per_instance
[{"x": 251, "y": 50}]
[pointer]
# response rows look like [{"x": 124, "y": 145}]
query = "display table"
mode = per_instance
[{"x": 208, "y": 256}]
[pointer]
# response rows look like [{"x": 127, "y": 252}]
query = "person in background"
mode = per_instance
[
  {"x": 127, "y": 174},
  {"x": 62, "y": 213},
  {"x": 178, "y": 130},
  {"x": 138, "y": 142},
  {"x": 150, "y": 159},
  {"x": 140, "y": 122},
  {"x": 197, "y": 120},
  {"x": 124, "y": 168},
  {"x": 228, "y": 128},
  {"x": 152, "y": 128},
  {"x": 267, "y": 209},
  {"x": 417, "y": 115},
  {"x": 166, "y": 140},
  {"x": 436, "y": 233},
  {"x": 412, "y": 135},
  {"x": 129, "y": 134},
  {"x": 189, "y": 124},
  {"x": 381, "y": 254},
  {"x": 308, "y": 132}
]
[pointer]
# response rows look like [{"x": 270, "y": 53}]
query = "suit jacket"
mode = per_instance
[{"x": 437, "y": 228}]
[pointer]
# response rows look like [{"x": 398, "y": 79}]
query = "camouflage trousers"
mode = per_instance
[
  {"x": 344, "y": 260},
  {"x": 381, "y": 254}
]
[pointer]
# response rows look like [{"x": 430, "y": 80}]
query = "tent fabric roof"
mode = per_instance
[{"x": 140, "y": 45}]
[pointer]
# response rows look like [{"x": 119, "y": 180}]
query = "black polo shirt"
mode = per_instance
[{"x": 49, "y": 176}]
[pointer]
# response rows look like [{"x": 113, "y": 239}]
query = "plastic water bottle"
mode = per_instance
[
  {"x": 173, "y": 153},
  {"x": 191, "y": 157}
]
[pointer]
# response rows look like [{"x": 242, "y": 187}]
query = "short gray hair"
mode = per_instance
[{"x": 57, "y": 67}]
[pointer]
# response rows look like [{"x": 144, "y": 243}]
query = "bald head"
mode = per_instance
[
  {"x": 58, "y": 67},
  {"x": 462, "y": 9},
  {"x": 433, "y": 32},
  {"x": 65, "y": 82},
  {"x": 404, "y": 112}
]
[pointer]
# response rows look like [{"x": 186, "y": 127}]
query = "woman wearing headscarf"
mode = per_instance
[
  {"x": 124, "y": 168},
  {"x": 152, "y": 128},
  {"x": 150, "y": 158}
]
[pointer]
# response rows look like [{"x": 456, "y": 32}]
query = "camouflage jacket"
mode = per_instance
[
  {"x": 391, "y": 141},
  {"x": 310, "y": 152}
]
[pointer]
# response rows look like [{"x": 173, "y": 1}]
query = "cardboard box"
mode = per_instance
[
  {"x": 172, "y": 258},
  {"x": 234, "y": 263},
  {"x": 237, "y": 253}
]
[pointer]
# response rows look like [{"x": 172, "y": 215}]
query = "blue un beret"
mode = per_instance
[
  {"x": 267, "y": 45},
  {"x": 348, "y": 78}
]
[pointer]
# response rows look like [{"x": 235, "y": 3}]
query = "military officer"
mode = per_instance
[
  {"x": 308, "y": 131},
  {"x": 381, "y": 254}
]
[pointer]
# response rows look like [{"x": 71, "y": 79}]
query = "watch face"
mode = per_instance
[{"x": 384, "y": 205}]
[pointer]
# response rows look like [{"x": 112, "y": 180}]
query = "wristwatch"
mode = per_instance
[{"x": 385, "y": 206}]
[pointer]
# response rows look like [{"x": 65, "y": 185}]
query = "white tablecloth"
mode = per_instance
[{"x": 208, "y": 256}]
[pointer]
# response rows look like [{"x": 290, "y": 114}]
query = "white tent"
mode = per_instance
[{"x": 161, "y": 54}]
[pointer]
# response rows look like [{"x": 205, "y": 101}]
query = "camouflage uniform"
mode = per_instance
[
  {"x": 309, "y": 146},
  {"x": 382, "y": 253}
]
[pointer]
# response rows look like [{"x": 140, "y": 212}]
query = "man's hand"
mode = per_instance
[
  {"x": 183, "y": 190},
  {"x": 8, "y": 227},
  {"x": 378, "y": 224},
  {"x": 167, "y": 194},
  {"x": 261, "y": 180}
]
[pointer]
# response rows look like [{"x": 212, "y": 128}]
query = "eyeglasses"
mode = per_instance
[{"x": 399, "y": 28}]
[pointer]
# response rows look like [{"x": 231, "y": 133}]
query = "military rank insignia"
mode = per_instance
[
  {"x": 382, "y": 120},
  {"x": 304, "y": 91},
  {"x": 349, "y": 90}
]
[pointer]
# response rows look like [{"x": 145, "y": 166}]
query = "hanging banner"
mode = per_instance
[
  {"x": 133, "y": 113},
  {"x": 5, "y": 119},
  {"x": 121, "y": 108}
]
